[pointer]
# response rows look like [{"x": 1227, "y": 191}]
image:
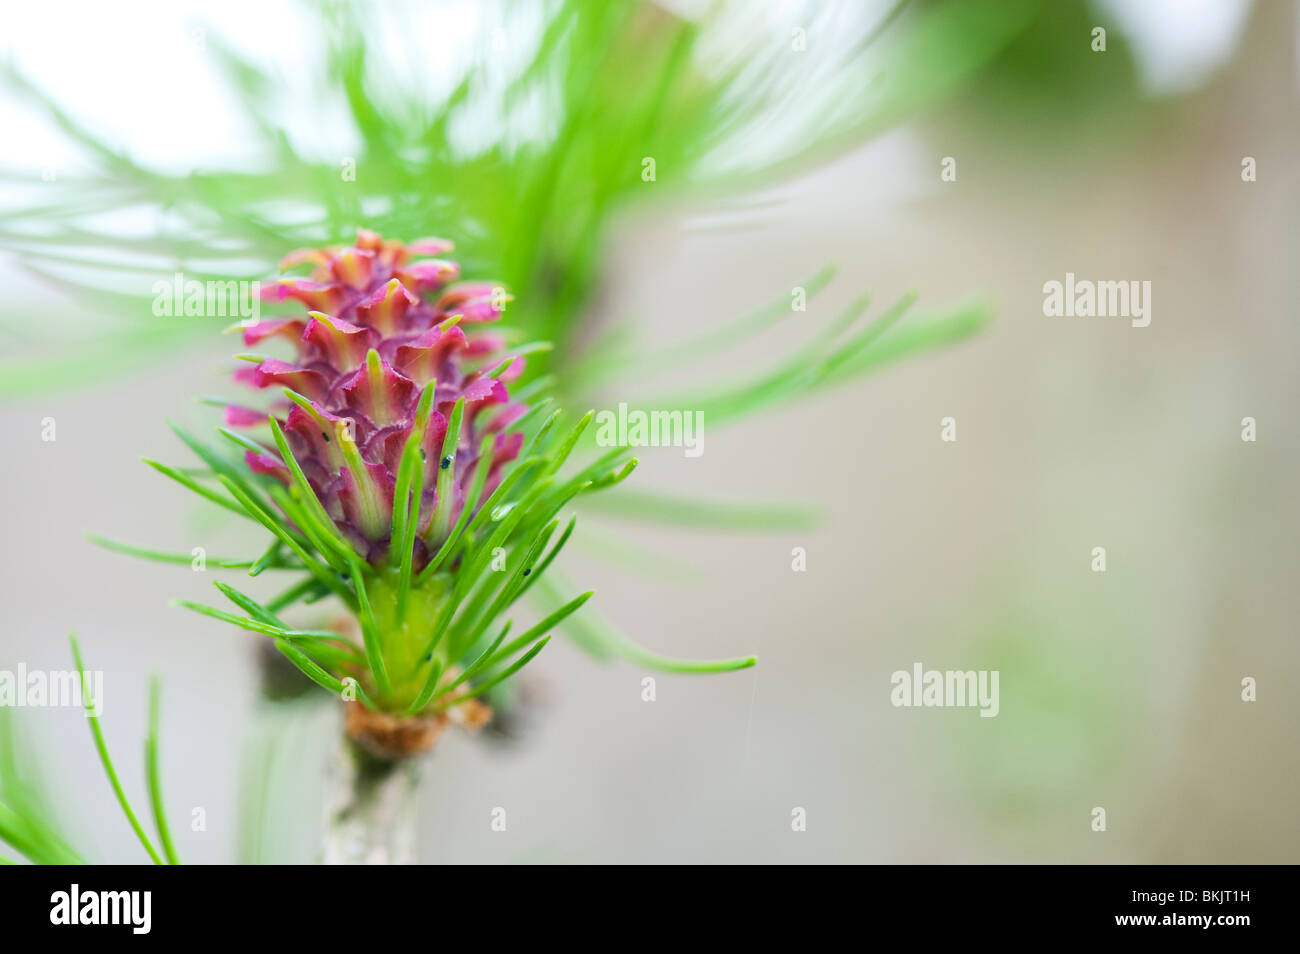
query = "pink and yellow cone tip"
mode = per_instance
[{"x": 387, "y": 324}]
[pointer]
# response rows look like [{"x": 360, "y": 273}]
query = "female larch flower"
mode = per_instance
[
  {"x": 393, "y": 427},
  {"x": 370, "y": 346}
]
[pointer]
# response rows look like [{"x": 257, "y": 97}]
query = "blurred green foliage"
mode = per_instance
[{"x": 559, "y": 135}]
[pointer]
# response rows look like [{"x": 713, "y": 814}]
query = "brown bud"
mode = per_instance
[{"x": 387, "y": 736}]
